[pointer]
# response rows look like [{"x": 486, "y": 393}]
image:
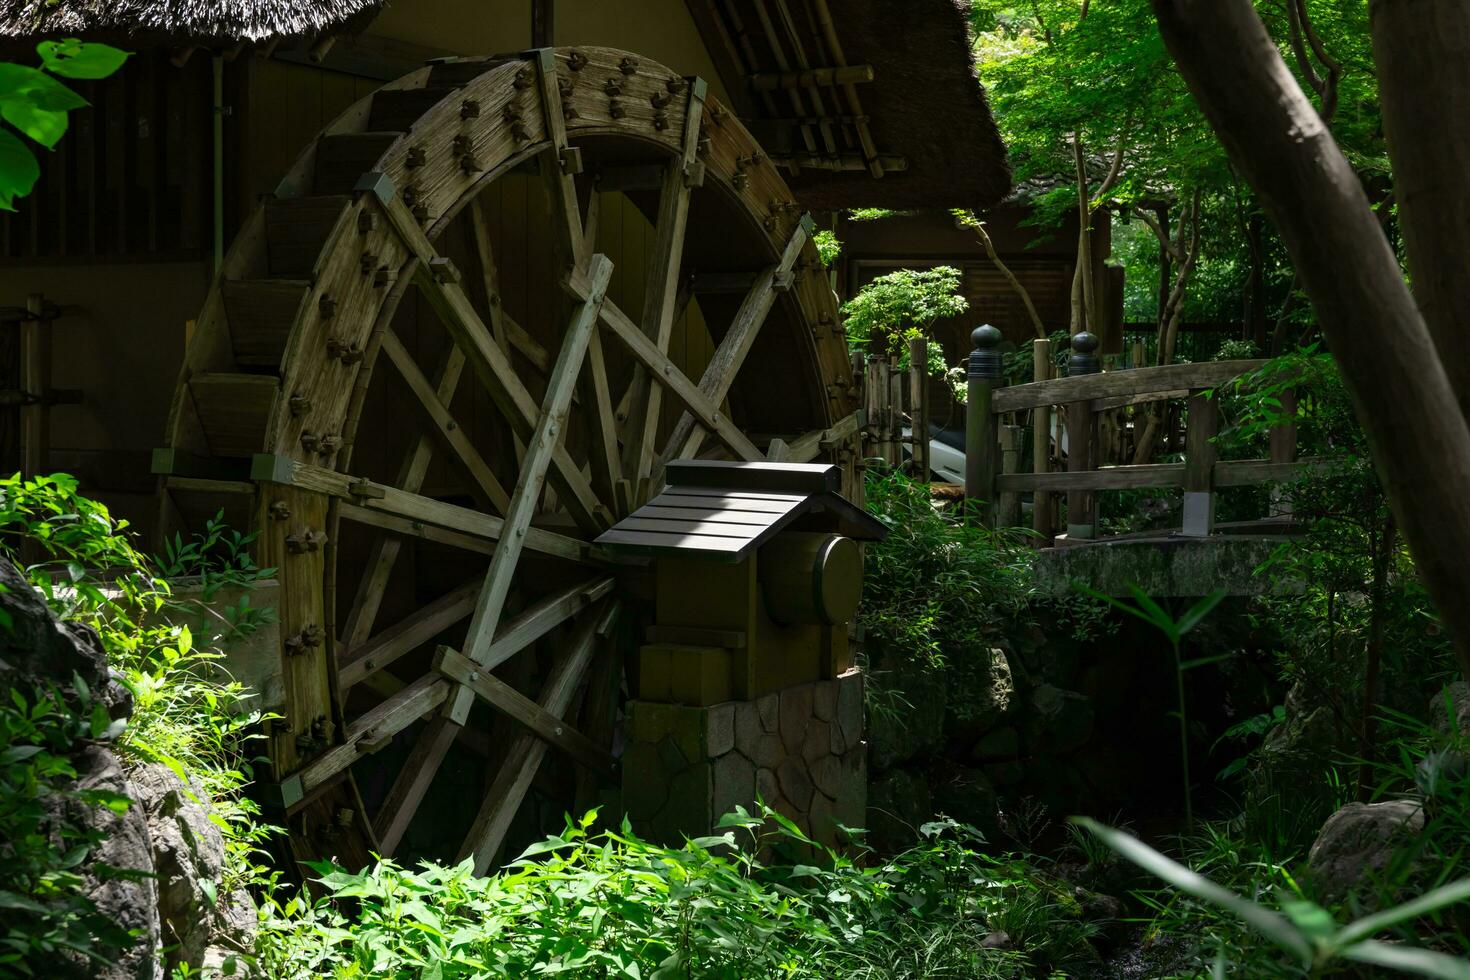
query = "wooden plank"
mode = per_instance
[
  {"x": 234, "y": 410},
  {"x": 1227, "y": 473},
  {"x": 419, "y": 627},
  {"x": 260, "y": 314},
  {"x": 445, "y": 425},
  {"x": 716, "y": 501},
  {"x": 413, "y": 780},
  {"x": 1200, "y": 455},
  {"x": 684, "y": 442},
  {"x": 663, "y": 370},
  {"x": 487, "y": 833},
  {"x": 1143, "y": 398},
  {"x": 382, "y": 721},
  {"x": 601, "y": 420},
  {"x": 405, "y": 527},
  {"x": 659, "y": 297},
  {"x": 689, "y": 542},
  {"x": 762, "y": 477},
  {"x": 379, "y": 497},
  {"x": 494, "y": 369},
  {"x": 652, "y": 512},
  {"x": 543, "y": 724},
  {"x": 1170, "y": 377},
  {"x": 383, "y": 553},
  {"x": 540, "y": 449},
  {"x": 719, "y": 529},
  {"x": 805, "y": 448},
  {"x": 562, "y": 181}
]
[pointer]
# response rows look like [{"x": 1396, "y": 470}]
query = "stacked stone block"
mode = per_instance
[{"x": 800, "y": 750}]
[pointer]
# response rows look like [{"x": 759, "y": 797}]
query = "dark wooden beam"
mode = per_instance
[{"x": 543, "y": 23}]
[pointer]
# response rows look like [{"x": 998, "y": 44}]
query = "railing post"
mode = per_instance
[
  {"x": 875, "y": 395},
  {"x": 894, "y": 438},
  {"x": 1283, "y": 450},
  {"x": 981, "y": 449},
  {"x": 1081, "y": 436},
  {"x": 1042, "y": 517},
  {"x": 919, "y": 405},
  {"x": 1199, "y": 465},
  {"x": 1009, "y": 514}
]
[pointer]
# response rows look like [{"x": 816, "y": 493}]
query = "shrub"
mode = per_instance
[{"x": 608, "y": 904}]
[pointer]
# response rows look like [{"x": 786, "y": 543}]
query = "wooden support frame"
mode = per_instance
[
  {"x": 487, "y": 833},
  {"x": 667, "y": 374},
  {"x": 540, "y": 451},
  {"x": 685, "y": 441},
  {"x": 493, "y": 367}
]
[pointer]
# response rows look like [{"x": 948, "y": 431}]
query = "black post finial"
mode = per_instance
[
  {"x": 1084, "y": 359},
  {"x": 985, "y": 359}
]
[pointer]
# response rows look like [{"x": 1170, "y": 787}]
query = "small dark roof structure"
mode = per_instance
[
  {"x": 722, "y": 511},
  {"x": 193, "y": 20}
]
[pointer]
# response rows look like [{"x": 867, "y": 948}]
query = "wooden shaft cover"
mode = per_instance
[{"x": 811, "y": 578}]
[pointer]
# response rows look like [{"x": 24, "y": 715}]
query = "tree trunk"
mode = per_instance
[
  {"x": 1422, "y": 50},
  {"x": 1400, "y": 389}
]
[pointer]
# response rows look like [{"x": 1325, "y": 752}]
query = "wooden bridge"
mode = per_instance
[{"x": 1071, "y": 459}]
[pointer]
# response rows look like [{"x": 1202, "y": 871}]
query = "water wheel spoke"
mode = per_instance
[
  {"x": 491, "y": 824},
  {"x": 383, "y": 554},
  {"x": 445, "y": 426},
  {"x": 667, "y": 375},
  {"x": 659, "y": 302},
  {"x": 375, "y": 729},
  {"x": 560, "y": 165},
  {"x": 428, "y": 753},
  {"x": 361, "y": 661},
  {"x": 685, "y": 440},
  {"x": 365, "y": 495},
  {"x": 493, "y": 367}
]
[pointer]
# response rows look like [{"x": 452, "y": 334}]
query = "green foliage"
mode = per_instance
[
  {"x": 609, "y": 904},
  {"x": 1305, "y": 931},
  {"x": 894, "y": 308},
  {"x": 187, "y": 715},
  {"x": 42, "y": 844},
  {"x": 36, "y": 105},
  {"x": 828, "y": 247},
  {"x": 938, "y": 582}
]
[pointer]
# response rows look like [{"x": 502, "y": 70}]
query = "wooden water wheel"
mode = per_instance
[{"x": 426, "y": 383}]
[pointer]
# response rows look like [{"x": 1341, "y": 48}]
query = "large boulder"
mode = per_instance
[
  {"x": 188, "y": 857},
  {"x": 129, "y": 900},
  {"x": 1358, "y": 841},
  {"x": 39, "y": 647},
  {"x": 1449, "y": 710},
  {"x": 1059, "y": 721}
]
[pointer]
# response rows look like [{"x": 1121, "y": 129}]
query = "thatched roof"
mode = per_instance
[
  {"x": 924, "y": 104},
  {"x": 235, "y": 20}
]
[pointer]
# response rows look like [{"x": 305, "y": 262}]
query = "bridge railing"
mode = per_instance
[{"x": 993, "y": 453}]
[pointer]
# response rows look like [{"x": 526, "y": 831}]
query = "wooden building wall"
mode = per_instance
[{"x": 120, "y": 229}]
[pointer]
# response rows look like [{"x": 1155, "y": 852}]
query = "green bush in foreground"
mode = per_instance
[{"x": 608, "y": 904}]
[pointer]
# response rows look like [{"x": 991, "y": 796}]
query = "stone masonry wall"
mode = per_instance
[{"x": 801, "y": 750}]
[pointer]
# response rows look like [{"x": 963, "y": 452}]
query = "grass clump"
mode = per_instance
[{"x": 607, "y": 904}]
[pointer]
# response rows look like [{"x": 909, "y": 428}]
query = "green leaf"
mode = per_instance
[
  {"x": 21, "y": 84},
  {"x": 72, "y": 58},
  {"x": 1432, "y": 901},
  {"x": 19, "y": 753},
  {"x": 1199, "y": 611},
  {"x": 18, "y": 170},
  {"x": 45, "y": 126},
  {"x": 1410, "y": 959}
]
